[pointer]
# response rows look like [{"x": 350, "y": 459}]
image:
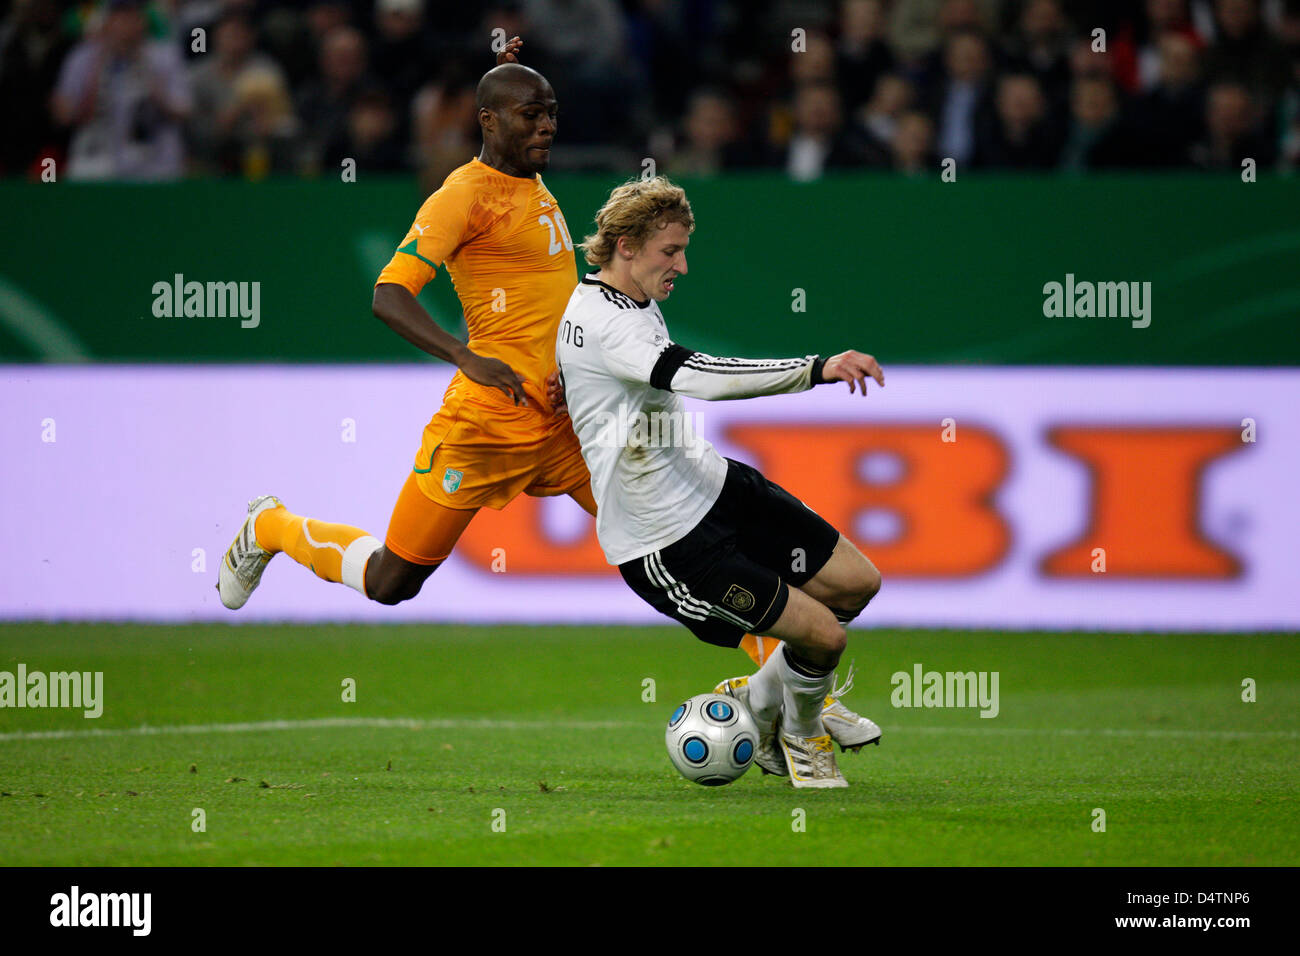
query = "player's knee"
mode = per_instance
[
  {"x": 830, "y": 638},
  {"x": 392, "y": 581},
  {"x": 868, "y": 585},
  {"x": 391, "y": 593},
  {"x": 857, "y": 595},
  {"x": 393, "y": 590}
]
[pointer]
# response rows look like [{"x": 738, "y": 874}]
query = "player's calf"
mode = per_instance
[{"x": 814, "y": 641}]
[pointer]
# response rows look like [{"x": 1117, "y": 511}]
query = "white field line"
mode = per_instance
[
  {"x": 322, "y": 723},
  {"x": 472, "y": 723},
  {"x": 1109, "y": 732}
]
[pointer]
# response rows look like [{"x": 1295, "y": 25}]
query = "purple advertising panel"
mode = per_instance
[{"x": 1115, "y": 498}]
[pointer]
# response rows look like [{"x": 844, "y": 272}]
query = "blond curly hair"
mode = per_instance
[{"x": 636, "y": 210}]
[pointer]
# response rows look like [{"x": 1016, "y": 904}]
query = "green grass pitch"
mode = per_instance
[{"x": 453, "y": 724}]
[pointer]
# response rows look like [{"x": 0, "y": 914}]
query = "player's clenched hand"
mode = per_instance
[
  {"x": 494, "y": 373},
  {"x": 853, "y": 367},
  {"x": 555, "y": 393},
  {"x": 510, "y": 53}
]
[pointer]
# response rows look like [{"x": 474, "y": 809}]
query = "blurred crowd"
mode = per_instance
[{"x": 162, "y": 89}]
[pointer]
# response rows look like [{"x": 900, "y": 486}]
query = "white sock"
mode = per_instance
[
  {"x": 354, "y": 562},
  {"x": 804, "y": 695},
  {"x": 766, "y": 691}
]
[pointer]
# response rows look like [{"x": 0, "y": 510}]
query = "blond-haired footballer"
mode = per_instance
[{"x": 703, "y": 539}]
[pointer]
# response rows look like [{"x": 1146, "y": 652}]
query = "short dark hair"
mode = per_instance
[{"x": 505, "y": 83}]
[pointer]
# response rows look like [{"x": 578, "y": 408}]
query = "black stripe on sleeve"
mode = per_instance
[
  {"x": 670, "y": 360},
  {"x": 749, "y": 368}
]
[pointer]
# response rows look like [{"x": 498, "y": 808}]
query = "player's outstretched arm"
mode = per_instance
[
  {"x": 398, "y": 309},
  {"x": 714, "y": 378}
]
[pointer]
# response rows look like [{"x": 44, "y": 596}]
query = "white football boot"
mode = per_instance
[
  {"x": 851, "y": 731},
  {"x": 242, "y": 567},
  {"x": 811, "y": 762},
  {"x": 768, "y": 756}
]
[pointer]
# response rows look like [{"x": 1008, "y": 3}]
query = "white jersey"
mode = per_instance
[{"x": 652, "y": 476}]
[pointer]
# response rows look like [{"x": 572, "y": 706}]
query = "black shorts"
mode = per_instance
[{"x": 731, "y": 574}]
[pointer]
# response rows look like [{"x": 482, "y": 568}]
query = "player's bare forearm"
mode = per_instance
[{"x": 397, "y": 308}]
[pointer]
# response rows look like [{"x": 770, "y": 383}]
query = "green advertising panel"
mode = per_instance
[{"x": 1145, "y": 270}]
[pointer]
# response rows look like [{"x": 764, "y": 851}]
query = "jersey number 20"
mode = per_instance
[{"x": 563, "y": 231}]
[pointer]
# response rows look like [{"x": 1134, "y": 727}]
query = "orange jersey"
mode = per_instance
[{"x": 509, "y": 254}]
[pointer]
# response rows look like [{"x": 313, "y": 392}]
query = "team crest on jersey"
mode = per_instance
[
  {"x": 451, "y": 480},
  {"x": 738, "y": 598}
]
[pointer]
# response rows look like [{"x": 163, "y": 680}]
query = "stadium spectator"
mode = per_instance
[
  {"x": 1098, "y": 137},
  {"x": 646, "y": 77},
  {"x": 1243, "y": 51},
  {"x": 711, "y": 139},
  {"x": 676, "y": 53},
  {"x": 1231, "y": 130},
  {"x": 1171, "y": 114},
  {"x": 917, "y": 28},
  {"x": 32, "y": 47},
  {"x": 301, "y": 57},
  {"x": 401, "y": 56},
  {"x": 862, "y": 54},
  {"x": 1021, "y": 134},
  {"x": 962, "y": 99},
  {"x": 1085, "y": 62},
  {"x": 183, "y": 18},
  {"x": 815, "y": 63},
  {"x": 506, "y": 16},
  {"x": 913, "y": 145},
  {"x": 370, "y": 138},
  {"x": 445, "y": 125},
  {"x": 1288, "y": 113},
  {"x": 219, "y": 112},
  {"x": 1288, "y": 28},
  {"x": 263, "y": 140},
  {"x": 580, "y": 44},
  {"x": 1162, "y": 17},
  {"x": 818, "y": 142},
  {"x": 878, "y": 120},
  {"x": 325, "y": 102},
  {"x": 1040, "y": 47},
  {"x": 125, "y": 99}
]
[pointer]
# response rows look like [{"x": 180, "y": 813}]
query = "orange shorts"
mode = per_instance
[{"x": 479, "y": 451}]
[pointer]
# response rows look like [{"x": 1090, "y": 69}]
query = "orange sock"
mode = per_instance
[
  {"x": 334, "y": 552},
  {"x": 759, "y": 648}
]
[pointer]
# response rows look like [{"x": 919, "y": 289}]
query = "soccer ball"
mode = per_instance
[{"x": 711, "y": 739}]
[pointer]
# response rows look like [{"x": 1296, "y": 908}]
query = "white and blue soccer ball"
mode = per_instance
[{"x": 712, "y": 739}]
